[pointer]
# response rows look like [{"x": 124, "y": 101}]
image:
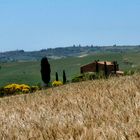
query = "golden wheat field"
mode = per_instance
[{"x": 91, "y": 110}]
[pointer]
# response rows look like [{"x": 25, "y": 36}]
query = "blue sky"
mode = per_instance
[{"x": 39, "y": 24}]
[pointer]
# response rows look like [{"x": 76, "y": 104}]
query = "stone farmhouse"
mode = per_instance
[{"x": 106, "y": 66}]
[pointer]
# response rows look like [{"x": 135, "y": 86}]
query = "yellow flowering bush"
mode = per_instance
[
  {"x": 14, "y": 88},
  {"x": 57, "y": 83},
  {"x": 34, "y": 88},
  {"x": 24, "y": 88},
  {"x": 17, "y": 89}
]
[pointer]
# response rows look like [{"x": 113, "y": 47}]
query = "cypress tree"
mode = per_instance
[
  {"x": 105, "y": 69},
  {"x": 64, "y": 77},
  {"x": 97, "y": 66},
  {"x": 115, "y": 66},
  {"x": 56, "y": 75},
  {"x": 45, "y": 70}
]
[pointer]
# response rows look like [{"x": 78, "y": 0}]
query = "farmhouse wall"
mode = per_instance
[
  {"x": 101, "y": 67},
  {"x": 88, "y": 68}
]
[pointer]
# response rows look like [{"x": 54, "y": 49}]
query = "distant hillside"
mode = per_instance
[{"x": 62, "y": 52}]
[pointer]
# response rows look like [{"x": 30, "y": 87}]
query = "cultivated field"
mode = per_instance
[{"x": 91, "y": 110}]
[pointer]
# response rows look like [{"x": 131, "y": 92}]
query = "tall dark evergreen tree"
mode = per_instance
[
  {"x": 97, "y": 66},
  {"x": 56, "y": 75},
  {"x": 105, "y": 69},
  {"x": 64, "y": 77},
  {"x": 45, "y": 70}
]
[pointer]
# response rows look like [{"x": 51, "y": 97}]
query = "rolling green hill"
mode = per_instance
[{"x": 29, "y": 71}]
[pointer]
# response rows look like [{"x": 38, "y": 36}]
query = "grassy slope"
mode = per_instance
[
  {"x": 29, "y": 72},
  {"x": 101, "y": 109}
]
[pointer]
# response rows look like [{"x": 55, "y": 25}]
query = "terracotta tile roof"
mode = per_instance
[
  {"x": 99, "y": 62},
  {"x": 107, "y": 62}
]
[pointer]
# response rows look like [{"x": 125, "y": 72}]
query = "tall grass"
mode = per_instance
[{"x": 92, "y": 110}]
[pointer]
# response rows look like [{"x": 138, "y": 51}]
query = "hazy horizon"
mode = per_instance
[{"x": 35, "y": 25}]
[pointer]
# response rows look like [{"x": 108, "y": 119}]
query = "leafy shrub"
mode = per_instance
[
  {"x": 129, "y": 72},
  {"x": 100, "y": 75},
  {"x": 88, "y": 76},
  {"x": 78, "y": 78},
  {"x": 57, "y": 83}
]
